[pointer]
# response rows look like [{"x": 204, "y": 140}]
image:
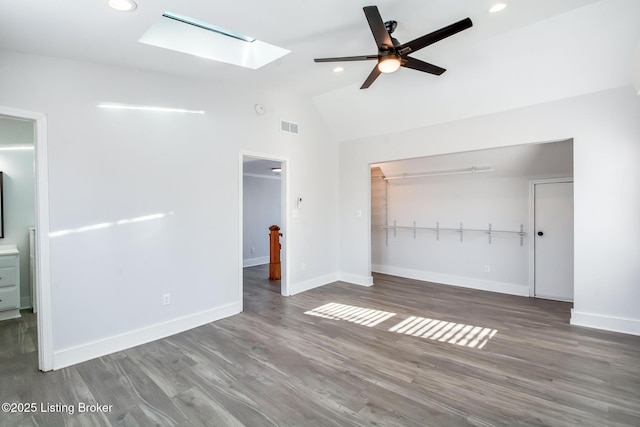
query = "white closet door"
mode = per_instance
[{"x": 554, "y": 240}]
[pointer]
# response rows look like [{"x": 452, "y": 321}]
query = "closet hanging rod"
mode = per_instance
[
  {"x": 477, "y": 230},
  {"x": 472, "y": 169}
]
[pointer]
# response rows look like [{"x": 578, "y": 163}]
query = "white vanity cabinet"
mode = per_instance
[{"x": 9, "y": 282}]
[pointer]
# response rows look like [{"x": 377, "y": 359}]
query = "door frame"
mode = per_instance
[
  {"x": 284, "y": 215},
  {"x": 42, "y": 285},
  {"x": 532, "y": 225}
]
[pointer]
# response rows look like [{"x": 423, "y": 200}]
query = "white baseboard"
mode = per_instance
[
  {"x": 252, "y": 262},
  {"x": 95, "y": 349},
  {"x": 554, "y": 298},
  {"x": 10, "y": 314},
  {"x": 296, "y": 288},
  {"x": 447, "y": 279},
  {"x": 25, "y": 302},
  {"x": 356, "y": 279},
  {"x": 607, "y": 323}
]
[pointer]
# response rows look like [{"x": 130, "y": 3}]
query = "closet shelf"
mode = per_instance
[{"x": 490, "y": 231}]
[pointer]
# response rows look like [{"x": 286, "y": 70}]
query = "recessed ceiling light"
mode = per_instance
[
  {"x": 123, "y": 5},
  {"x": 338, "y": 69},
  {"x": 497, "y": 7}
]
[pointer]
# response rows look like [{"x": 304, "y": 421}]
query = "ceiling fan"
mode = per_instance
[{"x": 393, "y": 55}]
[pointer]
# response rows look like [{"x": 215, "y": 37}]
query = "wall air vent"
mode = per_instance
[{"x": 288, "y": 127}]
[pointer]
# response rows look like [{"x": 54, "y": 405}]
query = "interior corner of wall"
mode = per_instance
[{"x": 355, "y": 279}]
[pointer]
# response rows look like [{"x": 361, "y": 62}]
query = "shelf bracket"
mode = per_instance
[
  {"x": 521, "y": 234},
  {"x": 386, "y": 236}
]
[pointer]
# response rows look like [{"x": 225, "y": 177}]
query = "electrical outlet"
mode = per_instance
[
  {"x": 252, "y": 250},
  {"x": 487, "y": 268},
  {"x": 303, "y": 267},
  {"x": 166, "y": 299}
]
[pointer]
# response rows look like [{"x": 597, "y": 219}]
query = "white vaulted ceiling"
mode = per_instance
[{"x": 532, "y": 52}]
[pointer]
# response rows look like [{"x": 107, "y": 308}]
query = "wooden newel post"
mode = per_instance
[{"x": 274, "y": 263}]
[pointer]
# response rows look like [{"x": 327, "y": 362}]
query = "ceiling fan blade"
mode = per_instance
[
  {"x": 416, "y": 64},
  {"x": 380, "y": 34},
  {"x": 374, "y": 75},
  {"x": 435, "y": 36},
  {"x": 347, "y": 58}
]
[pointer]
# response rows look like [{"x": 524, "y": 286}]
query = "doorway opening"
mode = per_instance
[
  {"x": 263, "y": 195},
  {"x": 23, "y": 158},
  {"x": 462, "y": 219}
]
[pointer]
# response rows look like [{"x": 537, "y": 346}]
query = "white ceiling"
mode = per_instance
[
  {"x": 529, "y": 160},
  {"x": 261, "y": 167},
  {"x": 532, "y": 52},
  {"x": 16, "y": 131}
]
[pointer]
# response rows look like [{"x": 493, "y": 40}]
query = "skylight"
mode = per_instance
[
  {"x": 209, "y": 27},
  {"x": 194, "y": 37}
]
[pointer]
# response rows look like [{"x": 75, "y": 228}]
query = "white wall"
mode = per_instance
[
  {"x": 475, "y": 201},
  {"x": 606, "y": 132},
  {"x": 107, "y": 166},
  {"x": 261, "y": 209},
  {"x": 19, "y": 207}
]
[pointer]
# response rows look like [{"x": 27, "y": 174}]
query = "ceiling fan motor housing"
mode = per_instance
[{"x": 391, "y": 26}]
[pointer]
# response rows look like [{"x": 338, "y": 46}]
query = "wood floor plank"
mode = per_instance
[{"x": 400, "y": 353}]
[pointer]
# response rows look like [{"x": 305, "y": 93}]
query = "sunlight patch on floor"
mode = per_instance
[
  {"x": 359, "y": 315},
  {"x": 450, "y": 332}
]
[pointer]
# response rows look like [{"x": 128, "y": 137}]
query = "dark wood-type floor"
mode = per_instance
[{"x": 379, "y": 364}]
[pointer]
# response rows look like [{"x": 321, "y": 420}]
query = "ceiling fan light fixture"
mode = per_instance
[
  {"x": 122, "y": 5},
  {"x": 389, "y": 64}
]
